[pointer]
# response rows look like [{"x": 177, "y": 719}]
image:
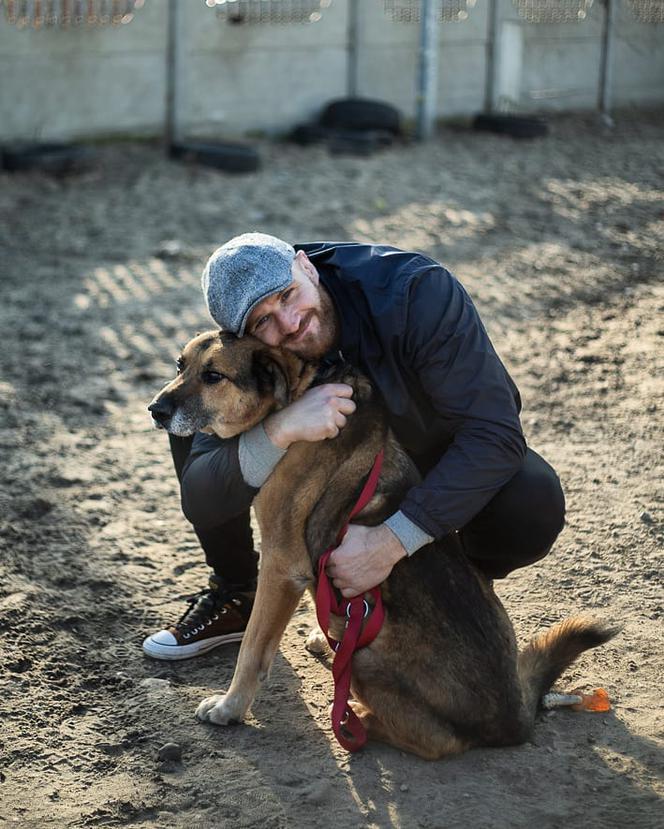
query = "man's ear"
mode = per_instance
[
  {"x": 271, "y": 377},
  {"x": 307, "y": 266}
]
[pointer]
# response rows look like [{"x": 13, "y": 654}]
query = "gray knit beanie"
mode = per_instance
[{"x": 242, "y": 273}]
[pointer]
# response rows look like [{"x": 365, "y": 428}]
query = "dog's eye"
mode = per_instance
[
  {"x": 212, "y": 377},
  {"x": 179, "y": 364}
]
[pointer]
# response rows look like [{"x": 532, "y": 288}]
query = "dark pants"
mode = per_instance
[
  {"x": 517, "y": 527},
  {"x": 229, "y": 548}
]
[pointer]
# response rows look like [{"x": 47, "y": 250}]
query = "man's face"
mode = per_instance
[{"x": 300, "y": 318}]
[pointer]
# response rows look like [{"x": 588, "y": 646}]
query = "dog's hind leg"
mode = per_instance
[
  {"x": 411, "y": 729},
  {"x": 277, "y": 597}
]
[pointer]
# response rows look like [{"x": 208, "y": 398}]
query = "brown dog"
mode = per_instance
[{"x": 443, "y": 675}]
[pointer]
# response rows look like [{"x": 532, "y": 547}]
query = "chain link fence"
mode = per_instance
[
  {"x": 408, "y": 11},
  {"x": 67, "y": 13},
  {"x": 647, "y": 11},
  {"x": 553, "y": 11},
  {"x": 269, "y": 11}
]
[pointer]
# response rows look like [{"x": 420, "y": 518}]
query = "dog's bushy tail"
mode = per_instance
[{"x": 547, "y": 656}]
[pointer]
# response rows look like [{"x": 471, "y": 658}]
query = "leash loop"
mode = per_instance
[
  {"x": 366, "y": 609},
  {"x": 346, "y": 725}
]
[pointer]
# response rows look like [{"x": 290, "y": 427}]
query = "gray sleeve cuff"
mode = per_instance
[
  {"x": 258, "y": 456},
  {"x": 410, "y": 535}
]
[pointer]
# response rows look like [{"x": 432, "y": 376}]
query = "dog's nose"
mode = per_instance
[{"x": 161, "y": 409}]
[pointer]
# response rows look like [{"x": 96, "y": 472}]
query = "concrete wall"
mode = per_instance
[
  {"x": 561, "y": 63},
  {"x": 234, "y": 79},
  {"x": 65, "y": 83},
  {"x": 257, "y": 77}
]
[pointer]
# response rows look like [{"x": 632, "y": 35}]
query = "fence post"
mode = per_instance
[
  {"x": 172, "y": 67},
  {"x": 491, "y": 57},
  {"x": 428, "y": 70},
  {"x": 606, "y": 64},
  {"x": 353, "y": 46}
]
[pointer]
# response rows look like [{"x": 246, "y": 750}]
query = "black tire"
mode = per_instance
[
  {"x": 358, "y": 114},
  {"x": 358, "y": 143},
  {"x": 47, "y": 158},
  {"x": 306, "y": 134},
  {"x": 516, "y": 126},
  {"x": 228, "y": 156}
]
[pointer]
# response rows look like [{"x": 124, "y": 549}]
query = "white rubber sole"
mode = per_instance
[{"x": 173, "y": 652}]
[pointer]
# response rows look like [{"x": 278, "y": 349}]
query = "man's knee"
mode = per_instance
[
  {"x": 197, "y": 495},
  {"x": 544, "y": 519},
  {"x": 546, "y": 505},
  {"x": 194, "y": 479},
  {"x": 520, "y": 525}
]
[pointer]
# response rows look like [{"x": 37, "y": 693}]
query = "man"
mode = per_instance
[{"x": 409, "y": 325}]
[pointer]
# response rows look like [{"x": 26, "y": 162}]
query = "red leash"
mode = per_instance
[{"x": 346, "y": 726}]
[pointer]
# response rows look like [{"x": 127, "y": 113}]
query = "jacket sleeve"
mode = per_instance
[
  {"x": 213, "y": 489},
  {"x": 450, "y": 354}
]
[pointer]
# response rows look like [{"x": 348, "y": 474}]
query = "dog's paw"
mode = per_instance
[
  {"x": 316, "y": 642},
  {"x": 219, "y": 709}
]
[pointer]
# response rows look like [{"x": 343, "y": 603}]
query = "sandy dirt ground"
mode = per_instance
[{"x": 559, "y": 241}]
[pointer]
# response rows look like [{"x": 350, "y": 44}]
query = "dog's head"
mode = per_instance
[{"x": 225, "y": 385}]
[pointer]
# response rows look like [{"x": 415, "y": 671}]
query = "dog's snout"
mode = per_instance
[{"x": 161, "y": 409}]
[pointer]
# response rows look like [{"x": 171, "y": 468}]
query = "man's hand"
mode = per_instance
[
  {"x": 364, "y": 559},
  {"x": 320, "y": 413}
]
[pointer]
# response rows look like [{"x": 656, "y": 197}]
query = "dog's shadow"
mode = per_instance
[
  {"x": 589, "y": 769},
  {"x": 284, "y": 755}
]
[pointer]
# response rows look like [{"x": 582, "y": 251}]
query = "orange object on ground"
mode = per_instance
[{"x": 597, "y": 701}]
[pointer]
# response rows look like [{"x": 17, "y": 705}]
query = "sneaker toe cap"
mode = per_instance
[{"x": 162, "y": 637}]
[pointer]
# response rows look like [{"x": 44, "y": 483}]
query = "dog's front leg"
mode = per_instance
[{"x": 277, "y": 597}]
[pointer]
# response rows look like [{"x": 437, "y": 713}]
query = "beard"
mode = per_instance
[{"x": 324, "y": 335}]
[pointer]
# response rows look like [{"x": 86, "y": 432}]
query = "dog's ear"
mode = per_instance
[
  {"x": 227, "y": 337},
  {"x": 271, "y": 377}
]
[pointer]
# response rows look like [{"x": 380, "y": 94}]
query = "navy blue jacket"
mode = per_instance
[{"x": 410, "y": 326}]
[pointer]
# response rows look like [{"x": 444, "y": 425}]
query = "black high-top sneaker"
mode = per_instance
[{"x": 215, "y": 616}]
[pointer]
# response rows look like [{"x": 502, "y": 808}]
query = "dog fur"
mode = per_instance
[{"x": 444, "y": 673}]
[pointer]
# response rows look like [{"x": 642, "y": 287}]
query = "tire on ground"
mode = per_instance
[
  {"x": 47, "y": 158},
  {"x": 517, "y": 126},
  {"x": 229, "y": 156},
  {"x": 307, "y": 134},
  {"x": 365, "y": 143},
  {"x": 361, "y": 114}
]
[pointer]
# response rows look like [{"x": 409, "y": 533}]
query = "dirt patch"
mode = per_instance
[{"x": 559, "y": 241}]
